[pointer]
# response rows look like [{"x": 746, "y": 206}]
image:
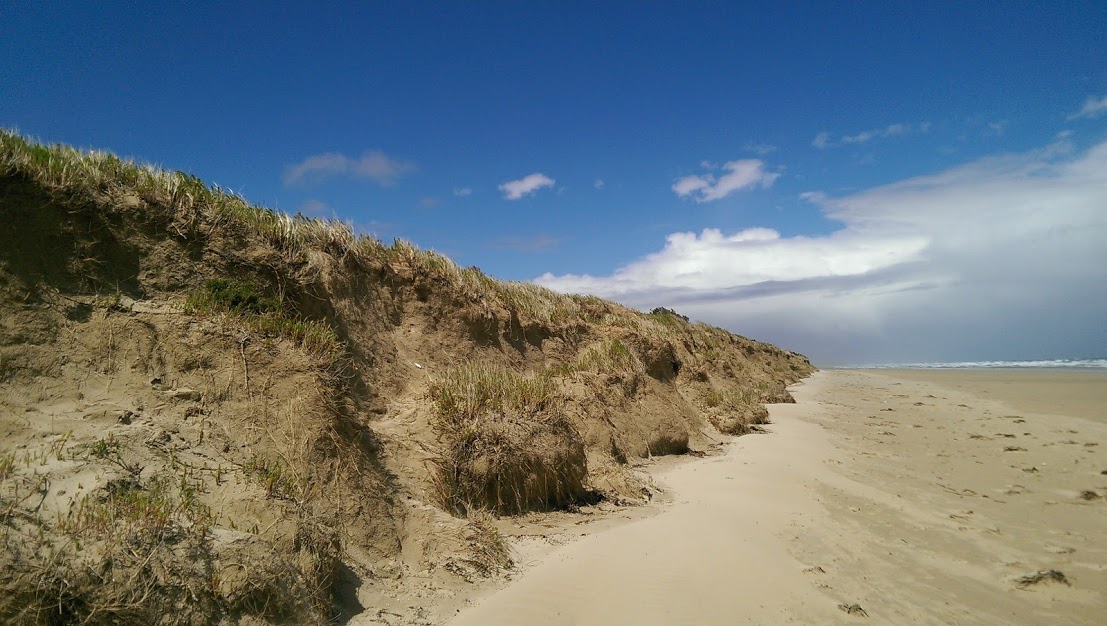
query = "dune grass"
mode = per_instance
[{"x": 505, "y": 444}]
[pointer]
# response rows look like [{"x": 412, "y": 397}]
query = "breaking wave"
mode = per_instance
[{"x": 1045, "y": 364}]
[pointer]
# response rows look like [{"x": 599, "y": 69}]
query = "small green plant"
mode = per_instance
[
  {"x": 104, "y": 448},
  {"x": 278, "y": 480},
  {"x": 233, "y": 296},
  {"x": 7, "y": 465}
]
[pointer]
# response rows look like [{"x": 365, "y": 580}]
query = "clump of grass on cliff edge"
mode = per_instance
[
  {"x": 735, "y": 411},
  {"x": 505, "y": 444},
  {"x": 264, "y": 314}
]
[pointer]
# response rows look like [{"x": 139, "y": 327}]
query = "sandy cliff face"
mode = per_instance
[{"x": 211, "y": 412}]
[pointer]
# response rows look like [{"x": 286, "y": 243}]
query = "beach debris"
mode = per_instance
[
  {"x": 1089, "y": 495},
  {"x": 814, "y": 570},
  {"x": 919, "y": 404},
  {"x": 1030, "y": 470},
  {"x": 853, "y": 609},
  {"x": 888, "y": 409},
  {"x": 1047, "y": 575},
  {"x": 1104, "y": 473},
  {"x": 1014, "y": 449}
]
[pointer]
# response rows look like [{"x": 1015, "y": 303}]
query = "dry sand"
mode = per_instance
[{"x": 918, "y": 497}]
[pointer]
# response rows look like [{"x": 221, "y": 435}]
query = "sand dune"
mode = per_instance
[{"x": 912, "y": 498}]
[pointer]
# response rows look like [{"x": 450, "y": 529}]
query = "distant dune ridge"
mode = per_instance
[{"x": 212, "y": 412}]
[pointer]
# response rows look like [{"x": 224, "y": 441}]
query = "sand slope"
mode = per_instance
[{"x": 929, "y": 512}]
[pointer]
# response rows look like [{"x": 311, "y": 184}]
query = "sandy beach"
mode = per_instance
[{"x": 970, "y": 497}]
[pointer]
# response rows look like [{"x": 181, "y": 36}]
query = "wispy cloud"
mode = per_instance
[
  {"x": 374, "y": 165},
  {"x": 537, "y": 243},
  {"x": 598, "y": 184},
  {"x": 981, "y": 260},
  {"x": 760, "y": 148},
  {"x": 461, "y": 192},
  {"x": 314, "y": 207},
  {"x": 516, "y": 189},
  {"x": 1093, "y": 107},
  {"x": 825, "y": 139},
  {"x": 429, "y": 202},
  {"x": 741, "y": 174}
]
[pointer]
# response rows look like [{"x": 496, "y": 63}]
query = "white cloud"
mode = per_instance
[
  {"x": 516, "y": 189},
  {"x": 462, "y": 192},
  {"x": 1093, "y": 107},
  {"x": 537, "y": 243},
  {"x": 598, "y": 184},
  {"x": 826, "y": 140},
  {"x": 373, "y": 165},
  {"x": 740, "y": 174},
  {"x": 998, "y": 258}
]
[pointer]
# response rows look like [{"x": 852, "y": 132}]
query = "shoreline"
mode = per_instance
[{"x": 914, "y": 500}]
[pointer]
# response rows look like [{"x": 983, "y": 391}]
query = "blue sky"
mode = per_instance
[{"x": 836, "y": 155}]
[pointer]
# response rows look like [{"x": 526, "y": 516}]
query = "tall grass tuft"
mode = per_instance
[{"x": 505, "y": 444}]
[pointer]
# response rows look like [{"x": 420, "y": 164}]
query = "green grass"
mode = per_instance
[
  {"x": 474, "y": 389},
  {"x": 609, "y": 357},
  {"x": 137, "y": 513},
  {"x": 264, "y": 314},
  {"x": 7, "y": 465},
  {"x": 104, "y": 448},
  {"x": 277, "y": 479}
]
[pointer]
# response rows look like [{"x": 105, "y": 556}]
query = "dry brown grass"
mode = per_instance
[
  {"x": 504, "y": 443},
  {"x": 735, "y": 411}
]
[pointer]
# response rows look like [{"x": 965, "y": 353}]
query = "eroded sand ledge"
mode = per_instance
[{"x": 919, "y": 498}]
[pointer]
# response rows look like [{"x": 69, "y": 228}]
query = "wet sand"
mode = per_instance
[{"x": 917, "y": 496}]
